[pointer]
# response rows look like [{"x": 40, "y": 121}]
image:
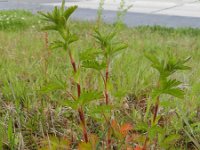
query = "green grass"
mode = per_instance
[
  {"x": 26, "y": 66},
  {"x": 16, "y": 20}
]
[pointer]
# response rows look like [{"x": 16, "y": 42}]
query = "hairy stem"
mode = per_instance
[{"x": 80, "y": 110}]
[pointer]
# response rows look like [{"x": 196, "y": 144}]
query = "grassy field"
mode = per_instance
[{"x": 33, "y": 114}]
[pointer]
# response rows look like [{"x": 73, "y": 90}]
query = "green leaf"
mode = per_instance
[
  {"x": 62, "y": 9},
  {"x": 46, "y": 17},
  {"x": 154, "y": 131},
  {"x": 171, "y": 87},
  {"x": 84, "y": 99},
  {"x": 168, "y": 65},
  {"x": 104, "y": 39},
  {"x": 87, "y": 97},
  {"x": 72, "y": 104},
  {"x": 72, "y": 38},
  {"x": 69, "y": 12},
  {"x": 93, "y": 64},
  {"x": 175, "y": 92},
  {"x": 53, "y": 87},
  {"x": 90, "y": 54},
  {"x": 170, "y": 140},
  {"x": 141, "y": 126},
  {"x": 117, "y": 48},
  {"x": 49, "y": 27},
  {"x": 152, "y": 58},
  {"x": 57, "y": 44},
  {"x": 99, "y": 112}
]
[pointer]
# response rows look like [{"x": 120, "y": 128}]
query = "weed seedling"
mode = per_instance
[
  {"x": 102, "y": 60},
  {"x": 166, "y": 85},
  {"x": 58, "y": 20}
]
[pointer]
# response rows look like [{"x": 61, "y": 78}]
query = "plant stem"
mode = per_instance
[
  {"x": 156, "y": 113},
  {"x": 107, "y": 103},
  {"x": 106, "y": 84},
  {"x": 80, "y": 110},
  {"x": 82, "y": 118},
  {"x": 75, "y": 70},
  {"x": 156, "y": 109},
  {"x": 145, "y": 144},
  {"x": 156, "y": 105}
]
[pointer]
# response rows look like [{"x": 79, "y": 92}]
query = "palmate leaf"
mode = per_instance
[
  {"x": 93, "y": 64},
  {"x": 87, "y": 97},
  {"x": 46, "y": 16},
  {"x": 90, "y": 54},
  {"x": 168, "y": 66},
  {"x": 170, "y": 83},
  {"x": 100, "y": 40},
  {"x": 170, "y": 87},
  {"x": 105, "y": 40},
  {"x": 116, "y": 48},
  {"x": 72, "y": 38},
  {"x": 72, "y": 104},
  {"x": 99, "y": 112},
  {"x": 58, "y": 18},
  {"x": 57, "y": 44},
  {"x": 176, "y": 92},
  {"x": 84, "y": 99}
]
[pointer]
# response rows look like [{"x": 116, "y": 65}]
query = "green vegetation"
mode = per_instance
[
  {"x": 86, "y": 86},
  {"x": 16, "y": 20}
]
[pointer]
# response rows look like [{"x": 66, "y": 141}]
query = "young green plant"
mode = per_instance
[
  {"x": 58, "y": 21},
  {"x": 101, "y": 61},
  {"x": 166, "y": 85}
]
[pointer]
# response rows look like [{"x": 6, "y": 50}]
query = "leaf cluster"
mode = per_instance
[
  {"x": 58, "y": 21},
  {"x": 84, "y": 99},
  {"x": 98, "y": 58},
  {"x": 167, "y": 67},
  {"x": 108, "y": 44}
]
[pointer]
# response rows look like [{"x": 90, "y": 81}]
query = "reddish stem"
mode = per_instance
[
  {"x": 156, "y": 105},
  {"x": 80, "y": 110},
  {"x": 107, "y": 103},
  {"x": 156, "y": 109},
  {"x": 145, "y": 144},
  {"x": 156, "y": 112},
  {"x": 109, "y": 139},
  {"x": 75, "y": 70},
  {"x": 82, "y": 118},
  {"x": 46, "y": 40},
  {"x": 106, "y": 84}
]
